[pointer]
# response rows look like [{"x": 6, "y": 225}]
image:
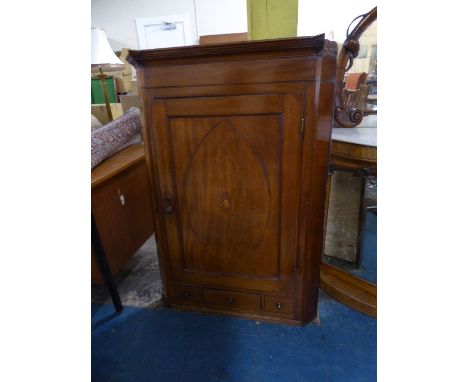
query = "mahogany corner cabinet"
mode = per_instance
[{"x": 237, "y": 141}]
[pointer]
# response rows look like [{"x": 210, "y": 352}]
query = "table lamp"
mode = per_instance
[{"x": 103, "y": 60}]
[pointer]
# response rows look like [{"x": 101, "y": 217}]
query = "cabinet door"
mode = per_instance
[{"x": 228, "y": 177}]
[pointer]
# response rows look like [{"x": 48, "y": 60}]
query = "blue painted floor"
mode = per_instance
[{"x": 165, "y": 345}]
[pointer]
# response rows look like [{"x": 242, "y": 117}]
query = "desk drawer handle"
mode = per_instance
[
  {"x": 121, "y": 197},
  {"x": 279, "y": 305},
  {"x": 187, "y": 294},
  {"x": 230, "y": 300}
]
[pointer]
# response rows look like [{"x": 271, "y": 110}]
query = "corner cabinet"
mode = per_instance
[{"x": 237, "y": 138}]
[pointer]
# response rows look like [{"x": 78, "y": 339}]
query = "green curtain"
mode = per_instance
[{"x": 272, "y": 18}]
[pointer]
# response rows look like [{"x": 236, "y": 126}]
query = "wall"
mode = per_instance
[
  {"x": 117, "y": 17},
  {"x": 221, "y": 16},
  {"x": 272, "y": 19},
  {"x": 331, "y": 17}
]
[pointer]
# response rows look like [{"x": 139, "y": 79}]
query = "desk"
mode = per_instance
[{"x": 121, "y": 211}]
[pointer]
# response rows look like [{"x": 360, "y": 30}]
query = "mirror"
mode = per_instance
[{"x": 351, "y": 231}]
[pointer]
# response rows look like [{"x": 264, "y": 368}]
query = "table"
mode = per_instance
[
  {"x": 121, "y": 213},
  {"x": 352, "y": 149}
]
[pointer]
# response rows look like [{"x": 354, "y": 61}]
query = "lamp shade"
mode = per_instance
[{"x": 102, "y": 55}]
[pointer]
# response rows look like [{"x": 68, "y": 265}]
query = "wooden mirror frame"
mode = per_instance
[{"x": 345, "y": 115}]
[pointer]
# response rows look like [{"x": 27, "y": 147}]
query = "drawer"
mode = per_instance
[
  {"x": 281, "y": 306},
  {"x": 187, "y": 293},
  {"x": 231, "y": 300}
]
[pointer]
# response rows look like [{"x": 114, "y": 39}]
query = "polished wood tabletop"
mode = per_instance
[
  {"x": 117, "y": 163},
  {"x": 354, "y": 148}
]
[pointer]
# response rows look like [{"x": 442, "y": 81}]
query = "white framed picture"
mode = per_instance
[{"x": 164, "y": 31}]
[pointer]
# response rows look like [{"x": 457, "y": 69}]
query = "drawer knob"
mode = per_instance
[
  {"x": 279, "y": 305},
  {"x": 187, "y": 294},
  {"x": 230, "y": 300},
  {"x": 121, "y": 197}
]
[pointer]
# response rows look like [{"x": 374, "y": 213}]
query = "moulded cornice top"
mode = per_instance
[{"x": 317, "y": 44}]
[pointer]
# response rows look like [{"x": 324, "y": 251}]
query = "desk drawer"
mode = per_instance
[
  {"x": 279, "y": 305},
  {"x": 187, "y": 294},
  {"x": 231, "y": 300}
]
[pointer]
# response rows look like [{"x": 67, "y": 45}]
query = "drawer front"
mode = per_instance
[
  {"x": 187, "y": 294},
  {"x": 231, "y": 300},
  {"x": 279, "y": 305}
]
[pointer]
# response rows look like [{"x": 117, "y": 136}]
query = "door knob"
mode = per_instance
[{"x": 168, "y": 205}]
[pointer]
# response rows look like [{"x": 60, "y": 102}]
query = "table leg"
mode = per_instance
[{"x": 103, "y": 265}]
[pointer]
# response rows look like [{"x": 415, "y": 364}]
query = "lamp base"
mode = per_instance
[{"x": 102, "y": 78}]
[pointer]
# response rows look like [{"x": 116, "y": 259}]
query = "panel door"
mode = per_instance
[{"x": 228, "y": 178}]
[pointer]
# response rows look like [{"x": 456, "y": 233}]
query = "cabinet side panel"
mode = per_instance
[{"x": 317, "y": 135}]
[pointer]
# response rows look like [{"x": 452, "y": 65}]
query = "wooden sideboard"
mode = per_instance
[{"x": 238, "y": 139}]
